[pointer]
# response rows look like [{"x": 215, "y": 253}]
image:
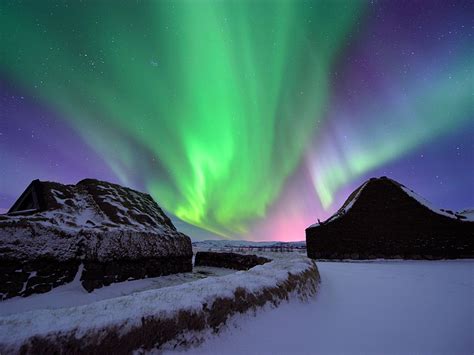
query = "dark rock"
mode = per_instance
[
  {"x": 107, "y": 280},
  {"x": 42, "y": 288},
  {"x": 34, "y": 280},
  {"x": 90, "y": 285},
  {"x": 229, "y": 260},
  {"x": 112, "y": 268},
  {"x": 20, "y": 276},
  {"x": 96, "y": 274},
  {"x": 11, "y": 287},
  {"x": 48, "y": 269},
  {"x": 8, "y": 266}
]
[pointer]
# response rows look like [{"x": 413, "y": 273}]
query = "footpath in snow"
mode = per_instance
[{"x": 382, "y": 307}]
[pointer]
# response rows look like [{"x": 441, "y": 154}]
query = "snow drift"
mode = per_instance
[{"x": 152, "y": 318}]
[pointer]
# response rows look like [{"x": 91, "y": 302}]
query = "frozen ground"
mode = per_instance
[
  {"x": 73, "y": 294},
  {"x": 382, "y": 307}
]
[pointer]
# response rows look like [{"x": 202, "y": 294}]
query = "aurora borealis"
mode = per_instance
[{"x": 247, "y": 119}]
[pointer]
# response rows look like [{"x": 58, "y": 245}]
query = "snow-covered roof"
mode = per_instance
[
  {"x": 94, "y": 204},
  {"x": 352, "y": 199},
  {"x": 429, "y": 205},
  {"x": 468, "y": 215},
  {"x": 346, "y": 206},
  {"x": 110, "y": 219}
]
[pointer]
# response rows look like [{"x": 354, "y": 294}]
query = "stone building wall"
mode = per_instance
[
  {"x": 228, "y": 260},
  {"x": 385, "y": 222},
  {"x": 40, "y": 276},
  {"x": 98, "y": 274},
  {"x": 114, "y": 232}
]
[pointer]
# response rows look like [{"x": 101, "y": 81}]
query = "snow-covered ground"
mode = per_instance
[
  {"x": 73, "y": 294},
  {"x": 382, "y": 307},
  {"x": 124, "y": 314}
]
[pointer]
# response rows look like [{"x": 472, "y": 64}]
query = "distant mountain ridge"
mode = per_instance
[{"x": 233, "y": 245}]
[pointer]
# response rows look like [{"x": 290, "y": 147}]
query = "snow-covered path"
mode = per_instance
[{"x": 397, "y": 307}]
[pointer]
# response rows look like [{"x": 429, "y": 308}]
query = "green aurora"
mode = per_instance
[
  {"x": 415, "y": 114},
  {"x": 210, "y": 90}
]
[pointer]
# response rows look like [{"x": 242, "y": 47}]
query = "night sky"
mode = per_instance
[{"x": 245, "y": 119}]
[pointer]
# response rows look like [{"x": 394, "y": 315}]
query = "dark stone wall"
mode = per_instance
[
  {"x": 40, "y": 276},
  {"x": 96, "y": 274},
  {"x": 183, "y": 328},
  {"x": 385, "y": 222},
  {"x": 228, "y": 260}
]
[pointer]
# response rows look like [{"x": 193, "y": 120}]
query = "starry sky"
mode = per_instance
[{"x": 243, "y": 119}]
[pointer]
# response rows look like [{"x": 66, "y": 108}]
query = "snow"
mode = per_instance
[
  {"x": 82, "y": 225},
  {"x": 383, "y": 307},
  {"x": 428, "y": 204},
  {"x": 72, "y": 219},
  {"x": 468, "y": 214},
  {"x": 85, "y": 214},
  {"x": 463, "y": 216},
  {"x": 365, "y": 307},
  {"x": 81, "y": 229},
  {"x": 127, "y": 311},
  {"x": 342, "y": 211},
  {"x": 73, "y": 294},
  {"x": 97, "y": 245}
]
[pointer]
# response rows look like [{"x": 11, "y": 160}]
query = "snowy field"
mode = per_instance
[{"x": 382, "y": 307}]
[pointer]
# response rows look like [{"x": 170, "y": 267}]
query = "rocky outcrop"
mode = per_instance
[
  {"x": 116, "y": 233},
  {"x": 228, "y": 260},
  {"x": 384, "y": 219}
]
